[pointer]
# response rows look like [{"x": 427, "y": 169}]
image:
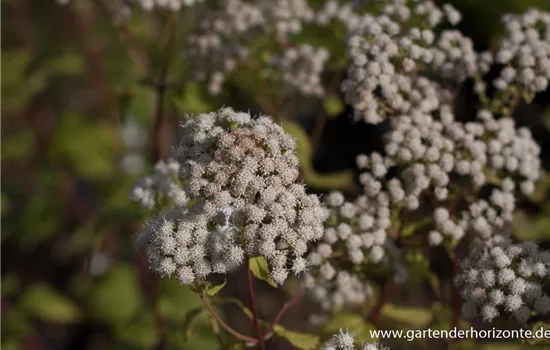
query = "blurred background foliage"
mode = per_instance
[{"x": 80, "y": 122}]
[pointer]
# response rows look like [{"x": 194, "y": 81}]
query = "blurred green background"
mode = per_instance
[{"x": 81, "y": 121}]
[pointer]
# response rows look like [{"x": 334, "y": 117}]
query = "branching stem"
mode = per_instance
[{"x": 255, "y": 318}]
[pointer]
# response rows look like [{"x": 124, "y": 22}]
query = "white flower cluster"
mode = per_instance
[
  {"x": 172, "y": 5},
  {"x": 163, "y": 187},
  {"x": 149, "y": 5},
  {"x": 346, "y": 341},
  {"x": 432, "y": 153},
  {"x": 525, "y": 52},
  {"x": 285, "y": 17},
  {"x": 223, "y": 36},
  {"x": 333, "y": 10},
  {"x": 300, "y": 68},
  {"x": 355, "y": 235},
  {"x": 241, "y": 175},
  {"x": 384, "y": 57},
  {"x": 190, "y": 244},
  {"x": 341, "y": 290},
  {"x": 500, "y": 277},
  {"x": 134, "y": 138},
  {"x": 218, "y": 43}
]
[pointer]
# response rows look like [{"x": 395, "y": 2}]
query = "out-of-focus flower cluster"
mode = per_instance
[
  {"x": 148, "y": 5},
  {"x": 355, "y": 233},
  {"x": 241, "y": 176},
  {"x": 222, "y": 38},
  {"x": 300, "y": 68},
  {"x": 525, "y": 52},
  {"x": 160, "y": 189},
  {"x": 134, "y": 138},
  {"x": 346, "y": 341},
  {"x": 387, "y": 51},
  {"x": 236, "y": 193},
  {"x": 501, "y": 277}
]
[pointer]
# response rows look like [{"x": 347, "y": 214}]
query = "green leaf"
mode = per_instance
[
  {"x": 10, "y": 285},
  {"x": 333, "y": 105},
  {"x": 140, "y": 332},
  {"x": 116, "y": 298},
  {"x": 411, "y": 228},
  {"x": 5, "y": 203},
  {"x": 66, "y": 63},
  {"x": 414, "y": 317},
  {"x": 343, "y": 180},
  {"x": 47, "y": 304},
  {"x": 192, "y": 102},
  {"x": 213, "y": 290},
  {"x": 205, "y": 339},
  {"x": 233, "y": 346},
  {"x": 175, "y": 300},
  {"x": 302, "y": 341},
  {"x": 18, "y": 83},
  {"x": 237, "y": 302},
  {"x": 260, "y": 269},
  {"x": 89, "y": 146},
  {"x": 18, "y": 145},
  {"x": 188, "y": 321}
]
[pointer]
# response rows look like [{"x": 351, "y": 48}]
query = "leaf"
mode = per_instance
[
  {"x": 204, "y": 340},
  {"x": 434, "y": 283},
  {"x": 191, "y": 102},
  {"x": 303, "y": 341},
  {"x": 213, "y": 290},
  {"x": 260, "y": 269},
  {"x": 237, "y": 302},
  {"x": 333, "y": 105},
  {"x": 47, "y": 304},
  {"x": 5, "y": 203},
  {"x": 175, "y": 300},
  {"x": 116, "y": 298},
  {"x": 411, "y": 228},
  {"x": 414, "y": 317},
  {"x": 10, "y": 285},
  {"x": 343, "y": 180},
  {"x": 233, "y": 346},
  {"x": 18, "y": 145},
  {"x": 139, "y": 333},
  {"x": 89, "y": 146},
  {"x": 188, "y": 321}
]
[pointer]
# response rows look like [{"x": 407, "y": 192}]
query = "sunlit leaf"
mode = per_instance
[
  {"x": 260, "y": 269},
  {"x": 303, "y": 341},
  {"x": 47, "y": 304},
  {"x": 116, "y": 297}
]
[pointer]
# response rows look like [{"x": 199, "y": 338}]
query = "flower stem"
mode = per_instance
[
  {"x": 255, "y": 320},
  {"x": 283, "y": 309},
  {"x": 225, "y": 325}
]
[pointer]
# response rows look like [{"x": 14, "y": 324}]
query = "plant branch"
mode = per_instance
[
  {"x": 385, "y": 293},
  {"x": 255, "y": 320},
  {"x": 283, "y": 309},
  {"x": 455, "y": 296},
  {"x": 162, "y": 129},
  {"x": 224, "y": 325},
  {"x": 125, "y": 39}
]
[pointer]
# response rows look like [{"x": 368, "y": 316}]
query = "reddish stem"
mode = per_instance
[
  {"x": 225, "y": 325},
  {"x": 383, "y": 297},
  {"x": 283, "y": 309},
  {"x": 255, "y": 320},
  {"x": 455, "y": 296}
]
